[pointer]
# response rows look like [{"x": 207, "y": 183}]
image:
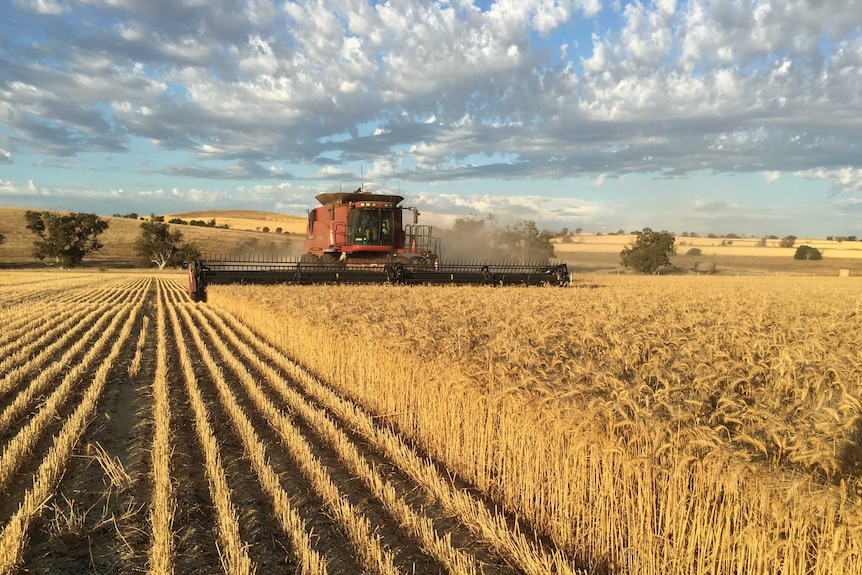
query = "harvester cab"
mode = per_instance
[
  {"x": 362, "y": 227},
  {"x": 361, "y": 237}
]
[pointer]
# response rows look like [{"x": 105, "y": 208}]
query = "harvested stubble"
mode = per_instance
[
  {"x": 653, "y": 425},
  {"x": 233, "y": 550},
  {"x": 163, "y": 505},
  {"x": 14, "y": 535}
]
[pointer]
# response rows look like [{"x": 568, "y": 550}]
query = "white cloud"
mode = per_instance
[
  {"x": 841, "y": 180},
  {"x": 442, "y": 91},
  {"x": 772, "y": 176},
  {"x": 47, "y": 7}
]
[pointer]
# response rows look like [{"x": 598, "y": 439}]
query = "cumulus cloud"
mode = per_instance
[
  {"x": 841, "y": 180},
  {"x": 440, "y": 92}
]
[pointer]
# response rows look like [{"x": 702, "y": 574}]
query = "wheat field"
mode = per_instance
[
  {"x": 142, "y": 432},
  {"x": 643, "y": 425},
  {"x": 666, "y": 425}
]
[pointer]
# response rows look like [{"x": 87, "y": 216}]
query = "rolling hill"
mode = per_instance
[{"x": 119, "y": 239}]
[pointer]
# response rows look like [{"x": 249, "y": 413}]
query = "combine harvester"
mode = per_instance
[{"x": 360, "y": 237}]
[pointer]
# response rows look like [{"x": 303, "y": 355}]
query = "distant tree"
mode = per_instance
[
  {"x": 528, "y": 243},
  {"x": 694, "y": 252},
  {"x": 649, "y": 252},
  {"x": 787, "y": 241},
  {"x": 711, "y": 236},
  {"x": 807, "y": 253},
  {"x": 65, "y": 238},
  {"x": 265, "y": 229},
  {"x": 159, "y": 244},
  {"x": 178, "y": 221},
  {"x": 278, "y": 230}
]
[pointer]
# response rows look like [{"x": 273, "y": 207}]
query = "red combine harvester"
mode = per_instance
[{"x": 360, "y": 237}]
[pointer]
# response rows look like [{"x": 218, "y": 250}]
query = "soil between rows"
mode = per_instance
[{"x": 95, "y": 523}]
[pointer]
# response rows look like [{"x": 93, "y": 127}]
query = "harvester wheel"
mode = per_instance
[{"x": 395, "y": 273}]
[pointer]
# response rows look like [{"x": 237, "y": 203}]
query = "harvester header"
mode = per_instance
[{"x": 361, "y": 237}]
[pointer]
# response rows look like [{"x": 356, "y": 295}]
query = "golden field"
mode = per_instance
[
  {"x": 643, "y": 424},
  {"x": 249, "y": 220},
  {"x": 626, "y": 424},
  {"x": 143, "y": 433},
  {"x": 119, "y": 238}
]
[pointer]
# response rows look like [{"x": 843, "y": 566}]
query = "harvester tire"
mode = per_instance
[{"x": 395, "y": 273}]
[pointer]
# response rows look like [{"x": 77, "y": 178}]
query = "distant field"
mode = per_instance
[
  {"x": 250, "y": 220},
  {"x": 714, "y": 247},
  {"x": 119, "y": 239},
  {"x": 588, "y": 253},
  {"x": 591, "y": 253}
]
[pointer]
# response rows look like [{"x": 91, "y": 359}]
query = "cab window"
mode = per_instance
[{"x": 373, "y": 227}]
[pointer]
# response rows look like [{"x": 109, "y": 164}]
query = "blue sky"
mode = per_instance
[{"x": 720, "y": 116}]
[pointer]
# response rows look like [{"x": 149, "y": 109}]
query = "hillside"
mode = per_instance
[
  {"x": 119, "y": 240},
  {"x": 250, "y": 220}
]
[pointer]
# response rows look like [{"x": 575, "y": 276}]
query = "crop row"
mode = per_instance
[
  {"x": 96, "y": 363},
  {"x": 653, "y": 425},
  {"x": 167, "y": 436}
]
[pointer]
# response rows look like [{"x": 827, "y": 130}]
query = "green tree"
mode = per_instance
[
  {"x": 807, "y": 253},
  {"x": 787, "y": 241},
  {"x": 65, "y": 238},
  {"x": 527, "y": 243},
  {"x": 159, "y": 244},
  {"x": 188, "y": 252},
  {"x": 649, "y": 252}
]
